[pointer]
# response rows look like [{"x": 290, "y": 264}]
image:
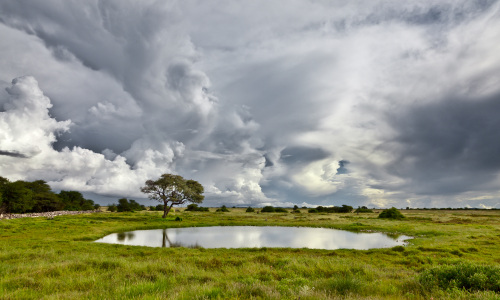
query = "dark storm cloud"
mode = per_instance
[
  {"x": 260, "y": 105},
  {"x": 436, "y": 14},
  {"x": 302, "y": 155},
  {"x": 342, "y": 167},
  {"x": 13, "y": 154},
  {"x": 450, "y": 146}
]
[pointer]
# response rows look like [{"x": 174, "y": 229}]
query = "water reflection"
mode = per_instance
[
  {"x": 122, "y": 236},
  {"x": 254, "y": 237}
]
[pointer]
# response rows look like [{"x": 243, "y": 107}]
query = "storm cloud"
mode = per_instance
[{"x": 312, "y": 103}]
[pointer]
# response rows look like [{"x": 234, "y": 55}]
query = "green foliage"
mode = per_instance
[
  {"x": 280, "y": 210},
  {"x": 363, "y": 209},
  {"x": 73, "y": 200},
  {"x": 112, "y": 208},
  {"x": 391, "y": 213},
  {"x": 398, "y": 248},
  {"x": 173, "y": 190},
  {"x": 312, "y": 210},
  {"x": 332, "y": 209},
  {"x": 44, "y": 199},
  {"x": 250, "y": 210},
  {"x": 17, "y": 197},
  {"x": 158, "y": 207},
  {"x": 343, "y": 209},
  {"x": 31, "y": 197},
  {"x": 195, "y": 207},
  {"x": 462, "y": 276},
  {"x": 129, "y": 205},
  {"x": 268, "y": 209},
  {"x": 53, "y": 259},
  {"x": 222, "y": 209},
  {"x": 3, "y": 182}
]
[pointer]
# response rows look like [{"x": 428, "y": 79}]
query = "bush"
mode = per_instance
[
  {"x": 342, "y": 209},
  {"x": 312, "y": 210},
  {"x": 112, "y": 208},
  {"x": 391, "y": 213},
  {"x": 363, "y": 209},
  {"x": 222, "y": 209},
  {"x": 268, "y": 209},
  {"x": 250, "y": 210},
  {"x": 462, "y": 276},
  {"x": 158, "y": 207},
  {"x": 129, "y": 205},
  {"x": 280, "y": 210},
  {"x": 195, "y": 207},
  {"x": 332, "y": 209}
]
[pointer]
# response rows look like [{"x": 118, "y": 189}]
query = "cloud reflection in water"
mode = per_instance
[{"x": 254, "y": 237}]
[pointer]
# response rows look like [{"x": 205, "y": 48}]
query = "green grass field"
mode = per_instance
[{"x": 56, "y": 258}]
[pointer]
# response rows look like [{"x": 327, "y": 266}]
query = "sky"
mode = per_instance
[{"x": 307, "y": 102}]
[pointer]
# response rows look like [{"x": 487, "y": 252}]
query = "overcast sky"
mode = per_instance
[{"x": 376, "y": 103}]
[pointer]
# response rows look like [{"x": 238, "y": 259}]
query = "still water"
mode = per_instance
[{"x": 255, "y": 237}]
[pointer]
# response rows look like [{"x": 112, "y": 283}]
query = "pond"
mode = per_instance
[{"x": 255, "y": 237}]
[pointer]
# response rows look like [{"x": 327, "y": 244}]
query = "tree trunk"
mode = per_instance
[{"x": 166, "y": 209}]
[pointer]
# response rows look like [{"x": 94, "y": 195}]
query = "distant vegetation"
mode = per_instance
[
  {"x": 129, "y": 205},
  {"x": 271, "y": 209},
  {"x": 195, "y": 207},
  {"x": 222, "y": 209},
  {"x": 32, "y": 197},
  {"x": 333, "y": 209},
  {"x": 391, "y": 213},
  {"x": 158, "y": 207},
  {"x": 250, "y": 210},
  {"x": 267, "y": 209},
  {"x": 363, "y": 209}
]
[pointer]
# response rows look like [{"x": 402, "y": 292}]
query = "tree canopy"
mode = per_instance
[
  {"x": 173, "y": 190},
  {"x": 28, "y": 197}
]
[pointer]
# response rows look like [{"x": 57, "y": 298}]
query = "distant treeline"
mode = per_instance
[
  {"x": 32, "y": 197},
  {"x": 449, "y": 208},
  {"x": 126, "y": 205}
]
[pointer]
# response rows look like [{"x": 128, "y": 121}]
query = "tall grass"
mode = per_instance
[{"x": 56, "y": 259}]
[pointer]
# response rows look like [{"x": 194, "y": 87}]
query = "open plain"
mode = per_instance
[{"x": 56, "y": 258}]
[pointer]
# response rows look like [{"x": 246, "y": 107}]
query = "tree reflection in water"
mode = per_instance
[
  {"x": 171, "y": 244},
  {"x": 123, "y": 236}
]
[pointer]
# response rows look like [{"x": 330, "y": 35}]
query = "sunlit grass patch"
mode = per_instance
[{"x": 56, "y": 259}]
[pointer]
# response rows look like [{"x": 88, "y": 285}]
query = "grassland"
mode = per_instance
[{"x": 55, "y": 258}]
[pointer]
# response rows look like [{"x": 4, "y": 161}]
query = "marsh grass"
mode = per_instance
[{"x": 56, "y": 258}]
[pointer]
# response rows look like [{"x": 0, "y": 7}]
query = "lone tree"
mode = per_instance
[{"x": 173, "y": 190}]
